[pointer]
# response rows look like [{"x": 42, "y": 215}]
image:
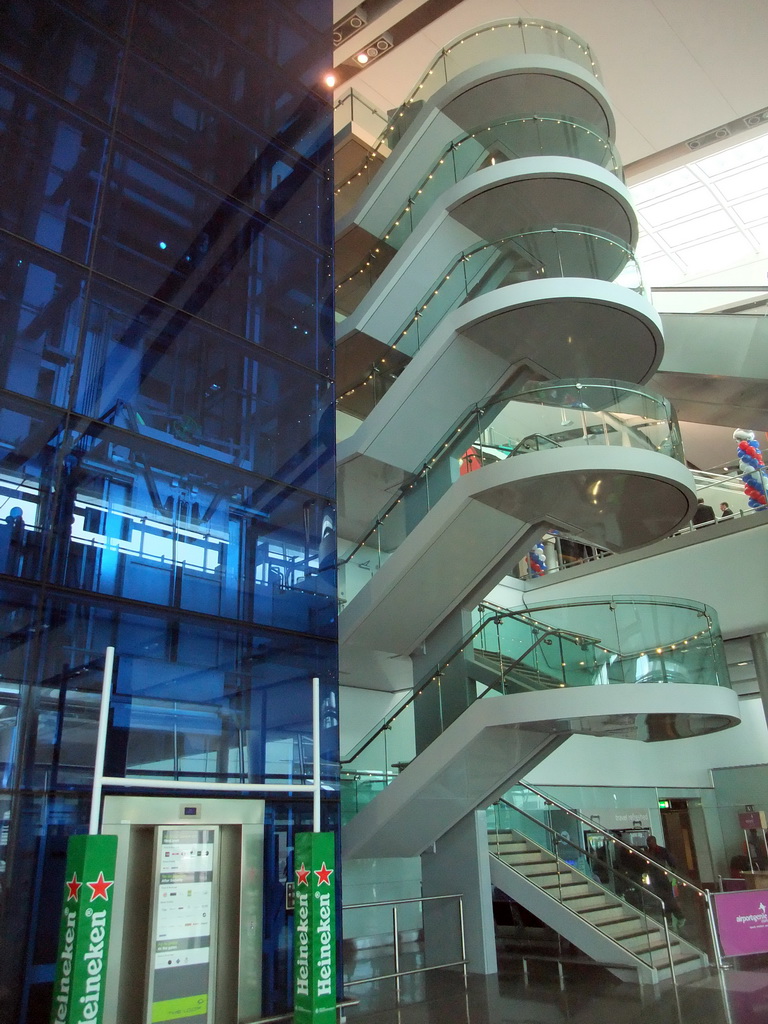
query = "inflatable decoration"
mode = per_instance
[
  {"x": 751, "y": 467},
  {"x": 471, "y": 460},
  {"x": 537, "y": 560}
]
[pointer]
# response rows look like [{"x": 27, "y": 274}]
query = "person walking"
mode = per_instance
[
  {"x": 660, "y": 882},
  {"x": 725, "y": 510}
]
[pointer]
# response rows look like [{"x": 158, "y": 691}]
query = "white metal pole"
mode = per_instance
[
  {"x": 101, "y": 741},
  {"x": 316, "y": 754}
]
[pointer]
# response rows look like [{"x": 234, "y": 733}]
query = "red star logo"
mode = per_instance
[
  {"x": 99, "y": 887},
  {"x": 324, "y": 875},
  {"x": 302, "y": 875},
  {"x": 74, "y": 887}
]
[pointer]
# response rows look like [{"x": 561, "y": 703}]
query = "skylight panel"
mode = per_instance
[
  {"x": 679, "y": 206},
  {"x": 745, "y": 183},
  {"x": 699, "y": 227},
  {"x": 716, "y": 253},
  {"x": 663, "y": 185},
  {"x": 736, "y": 156},
  {"x": 752, "y": 210}
]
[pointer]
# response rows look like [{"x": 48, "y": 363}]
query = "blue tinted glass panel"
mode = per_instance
[
  {"x": 171, "y": 238},
  {"x": 137, "y": 519},
  {"x": 51, "y": 46},
  {"x": 51, "y": 163},
  {"x": 261, "y": 79},
  {"x": 43, "y": 302},
  {"x": 174, "y": 379},
  {"x": 105, "y": 13},
  {"x": 180, "y": 126}
]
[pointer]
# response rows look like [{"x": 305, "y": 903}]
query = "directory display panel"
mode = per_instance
[{"x": 182, "y": 951}]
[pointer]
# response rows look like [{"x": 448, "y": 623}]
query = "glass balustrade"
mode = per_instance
[
  {"x": 510, "y": 139},
  {"x": 553, "y": 414},
  {"x": 557, "y": 252},
  {"x": 602, "y": 413},
  {"x": 352, "y": 108},
  {"x": 603, "y": 857},
  {"x": 569, "y": 870},
  {"x": 499, "y": 39},
  {"x": 596, "y": 642},
  {"x": 501, "y": 140}
]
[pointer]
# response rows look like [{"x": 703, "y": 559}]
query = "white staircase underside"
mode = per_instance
[
  {"x": 715, "y": 367},
  {"x": 559, "y": 328},
  {"x": 499, "y": 739},
  {"x": 619, "y": 498}
]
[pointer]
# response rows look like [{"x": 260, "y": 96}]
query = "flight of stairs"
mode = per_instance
[{"x": 589, "y": 915}]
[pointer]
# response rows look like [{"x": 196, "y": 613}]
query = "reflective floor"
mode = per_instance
[{"x": 590, "y": 995}]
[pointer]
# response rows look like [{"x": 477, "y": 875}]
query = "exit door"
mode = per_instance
[{"x": 185, "y": 944}]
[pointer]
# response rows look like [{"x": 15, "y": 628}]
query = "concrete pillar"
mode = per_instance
[
  {"x": 758, "y": 643},
  {"x": 460, "y": 864}
]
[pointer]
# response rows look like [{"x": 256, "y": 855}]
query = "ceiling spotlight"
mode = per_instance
[
  {"x": 348, "y": 26},
  {"x": 377, "y": 48}
]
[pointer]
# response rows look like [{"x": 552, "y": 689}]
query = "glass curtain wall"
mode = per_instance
[{"x": 166, "y": 421}]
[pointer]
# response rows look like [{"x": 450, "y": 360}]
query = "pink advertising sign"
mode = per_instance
[{"x": 742, "y": 921}]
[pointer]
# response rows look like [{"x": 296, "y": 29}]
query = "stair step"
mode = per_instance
[
  {"x": 644, "y": 942},
  {"x": 658, "y": 957},
  {"x": 512, "y": 849},
  {"x": 579, "y": 903},
  {"x": 538, "y": 868},
  {"x": 570, "y": 890},
  {"x": 601, "y": 916},
  {"x": 525, "y": 857}
]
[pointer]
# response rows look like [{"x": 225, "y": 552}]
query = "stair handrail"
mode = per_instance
[
  {"x": 435, "y": 674},
  {"x": 520, "y": 450},
  {"x": 558, "y": 839},
  {"x": 595, "y": 827},
  {"x": 441, "y": 54}
]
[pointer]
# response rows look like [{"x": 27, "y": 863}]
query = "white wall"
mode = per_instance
[{"x": 359, "y": 711}]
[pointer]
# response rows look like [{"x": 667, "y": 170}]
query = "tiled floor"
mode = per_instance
[{"x": 590, "y": 996}]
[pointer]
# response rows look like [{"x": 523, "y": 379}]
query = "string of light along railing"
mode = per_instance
[
  {"x": 520, "y": 25},
  {"x": 464, "y": 258}
]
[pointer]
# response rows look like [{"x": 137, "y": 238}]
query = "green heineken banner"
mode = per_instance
[
  {"x": 81, "y": 965},
  {"x": 314, "y": 942}
]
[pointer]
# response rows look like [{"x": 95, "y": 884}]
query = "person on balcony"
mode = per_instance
[
  {"x": 703, "y": 514},
  {"x": 725, "y": 510}
]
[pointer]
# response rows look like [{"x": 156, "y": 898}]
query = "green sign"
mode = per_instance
[
  {"x": 81, "y": 965},
  {"x": 314, "y": 942}
]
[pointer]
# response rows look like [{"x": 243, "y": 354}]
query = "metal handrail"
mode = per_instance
[
  {"x": 397, "y": 974},
  {"x": 559, "y": 840},
  {"x": 519, "y": 450},
  {"x": 435, "y": 674},
  {"x": 594, "y": 827}
]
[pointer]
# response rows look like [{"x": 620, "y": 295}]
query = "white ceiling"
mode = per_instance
[{"x": 673, "y": 68}]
